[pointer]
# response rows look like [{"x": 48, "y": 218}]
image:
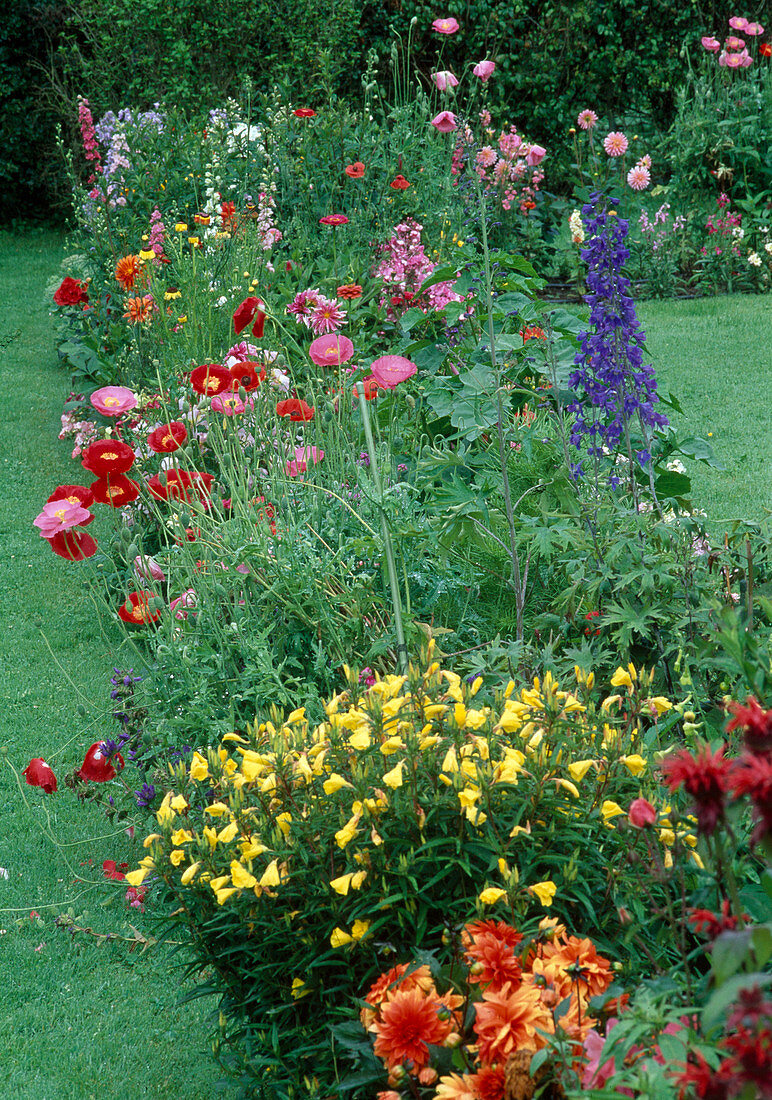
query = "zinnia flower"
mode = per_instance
[
  {"x": 390, "y": 370},
  {"x": 139, "y": 310},
  {"x": 39, "y": 774},
  {"x": 444, "y": 80},
  {"x": 356, "y": 170},
  {"x": 445, "y": 122},
  {"x": 211, "y": 379},
  {"x": 331, "y": 350},
  {"x": 348, "y": 291},
  {"x": 587, "y": 119},
  {"x": 137, "y": 609},
  {"x": 108, "y": 456},
  {"x": 334, "y": 219},
  {"x": 615, "y": 143},
  {"x": 407, "y": 1023},
  {"x": 485, "y": 70},
  {"x": 327, "y": 316},
  {"x": 113, "y": 400},
  {"x": 127, "y": 271},
  {"x": 448, "y": 25},
  {"x": 639, "y": 177},
  {"x": 167, "y": 438}
]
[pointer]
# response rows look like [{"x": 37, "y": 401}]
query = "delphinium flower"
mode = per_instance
[{"x": 613, "y": 385}]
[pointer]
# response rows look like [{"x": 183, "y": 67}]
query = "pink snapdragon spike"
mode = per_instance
[
  {"x": 331, "y": 350},
  {"x": 711, "y": 44},
  {"x": 390, "y": 370},
  {"x": 304, "y": 457},
  {"x": 738, "y": 23},
  {"x": 448, "y": 25},
  {"x": 445, "y": 122},
  {"x": 60, "y": 515},
  {"x": 535, "y": 155},
  {"x": 113, "y": 400},
  {"x": 444, "y": 80},
  {"x": 485, "y": 70}
]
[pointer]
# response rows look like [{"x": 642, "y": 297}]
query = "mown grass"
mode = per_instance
[{"x": 77, "y": 1019}]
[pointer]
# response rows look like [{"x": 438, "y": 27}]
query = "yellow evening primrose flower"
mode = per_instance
[
  {"x": 475, "y": 816},
  {"x": 165, "y": 814},
  {"x": 347, "y": 833},
  {"x": 610, "y": 809},
  {"x": 270, "y": 876},
  {"x": 450, "y": 763},
  {"x": 178, "y": 804},
  {"x": 340, "y": 938},
  {"x": 476, "y": 685},
  {"x": 360, "y": 740},
  {"x": 459, "y": 714},
  {"x": 468, "y": 797},
  {"x": 392, "y": 745},
  {"x": 567, "y": 785},
  {"x": 189, "y": 873},
  {"x": 342, "y": 884},
  {"x": 492, "y": 894},
  {"x": 518, "y": 829},
  {"x": 223, "y": 894},
  {"x": 136, "y": 878},
  {"x": 299, "y": 988},
  {"x": 578, "y": 770},
  {"x": 659, "y": 703},
  {"x": 210, "y": 835},
  {"x": 218, "y": 883},
  {"x": 240, "y": 876},
  {"x": 181, "y": 836},
  {"x": 226, "y": 835},
  {"x": 149, "y": 840},
  {"x": 635, "y": 764},
  {"x": 434, "y": 710},
  {"x": 284, "y": 821},
  {"x": 667, "y": 836},
  {"x": 544, "y": 891},
  {"x": 297, "y": 715},
  {"x": 393, "y": 778},
  {"x": 251, "y": 848},
  {"x": 359, "y": 929},
  {"x": 199, "y": 768},
  {"x": 334, "y": 783},
  {"x": 176, "y": 857},
  {"x": 217, "y": 809},
  {"x": 428, "y": 742}
]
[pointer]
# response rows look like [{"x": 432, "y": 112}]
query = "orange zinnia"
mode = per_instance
[
  {"x": 507, "y": 1021},
  {"x": 127, "y": 271},
  {"x": 408, "y": 1023}
]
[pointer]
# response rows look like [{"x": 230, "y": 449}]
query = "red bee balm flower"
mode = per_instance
[
  {"x": 249, "y": 311},
  {"x": 168, "y": 437},
  {"x": 755, "y": 721},
  {"x": 334, "y": 219},
  {"x": 107, "y": 456},
  {"x": 97, "y": 767},
  {"x": 210, "y": 379},
  {"x": 39, "y": 774},
  {"x": 137, "y": 608},
  {"x": 115, "y": 490},
  {"x": 295, "y": 408},
  {"x": 705, "y": 777}
]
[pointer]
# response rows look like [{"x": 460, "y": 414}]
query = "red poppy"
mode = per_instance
[
  {"x": 188, "y": 485},
  {"x": 71, "y": 292},
  {"x": 75, "y": 494},
  {"x": 107, "y": 456},
  {"x": 356, "y": 170},
  {"x": 249, "y": 311},
  {"x": 39, "y": 774},
  {"x": 73, "y": 545},
  {"x": 370, "y": 387},
  {"x": 113, "y": 870},
  {"x": 167, "y": 437},
  {"x": 97, "y": 767},
  {"x": 137, "y": 608},
  {"x": 765, "y": 49},
  {"x": 304, "y": 112},
  {"x": 115, "y": 490},
  {"x": 248, "y": 375},
  {"x": 334, "y": 219},
  {"x": 156, "y": 489},
  {"x": 210, "y": 379},
  {"x": 399, "y": 183},
  {"x": 266, "y": 513},
  {"x": 295, "y": 408},
  {"x": 349, "y": 291}
]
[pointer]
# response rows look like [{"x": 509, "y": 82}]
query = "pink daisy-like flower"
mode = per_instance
[
  {"x": 639, "y": 177},
  {"x": 645, "y": 160},
  {"x": 326, "y": 317},
  {"x": 587, "y": 119},
  {"x": 615, "y": 143},
  {"x": 487, "y": 156},
  {"x": 303, "y": 305}
]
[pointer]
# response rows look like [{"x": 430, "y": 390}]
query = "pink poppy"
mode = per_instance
[
  {"x": 754, "y": 29},
  {"x": 148, "y": 569},
  {"x": 738, "y": 23},
  {"x": 734, "y": 45},
  {"x": 446, "y": 26},
  {"x": 485, "y": 70},
  {"x": 535, "y": 155},
  {"x": 711, "y": 44},
  {"x": 444, "y": 80},
  {"x": 60, "y": 515},
  {"x": 304, "y": 457},
  {"x": 230, "y": 404},
  {"x": 331, "y": 350},
  {"x": 179, "y": 606},
  {"x": 113, "y": 400},
  {"x": 445, "y": 122},
  {"x": 39, "y": 774},
  {"x": 390, "y": 370}
]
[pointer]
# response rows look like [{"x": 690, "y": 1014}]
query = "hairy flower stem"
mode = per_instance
[{"x": 402, "y": 655}]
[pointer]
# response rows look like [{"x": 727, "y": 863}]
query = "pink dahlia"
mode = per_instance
[
  {"x": 615, "y": 143},
  {"x": 639, "y": 177},
  {"x": 327, "y": 316},
  {"x": 587, "y": 119}
]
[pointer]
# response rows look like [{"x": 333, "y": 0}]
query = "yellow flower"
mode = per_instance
[
  {"x": 165, "y": 814},
  {"x": 392, "y": 745},
  {"x": 178, "y": 804},
  {"x": 182, "y": 836},
  {"x": 340, "y": 938},
  {"x": 199, "y": 768},
  {"x": 270, "y": 876},
  {"x": 660, "y": 704},
  {"x": 240, "y": 876},
  {"x": 251, "y": 848},
  {"x": 518, "y": 829},
  {"x": 299, "y": 988},
  {"x": 149, "y": 840},
  {"x": 217, "y": 809},
  {"x": 359, "y": 929},
  {"x": 578, "y": 770},
  {"x": 223, "y": 895},
  {"x": 189, "y": 873},
  {"x": 667, "y": 836},
  {"x": 136, "y": 878},
  {"x": 544, "y": 891},
  {"x": 351, "y": 881},
  {"x": 334, "y": 783},
  {"x": 181, "y": 227},
  {"x": 360, "y": 740},
  {"x": 211, "y": 836},
  {"x": 567, "y": 785},
  {"x": 226, "y": 835},
  {"x": 284, "y": 821},
  {"x": 634, "y": 764},
  {"x": 176, "y": 857},
  {"x": 492, "y": 894},
  {"x": 610, "y": 809},
  {"x": 393, "y": 778}
]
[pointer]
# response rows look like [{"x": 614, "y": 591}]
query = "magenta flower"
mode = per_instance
[
  {"x": 615, "y": 143},
  {"x": 229, "y": 404},
  {"x": 587, "y": 119},
  {"x": 327, "y": 316},
  {"x": 147, "y": 568},
  {"x": 446, "y": 26},
  {"x": 334, "y": 220},
  {"x": 60, "y": 515},
  {"x": 390, "y": 370},
  {"x": 304, "y": 457},
  {"x": 754, "y": 29},
  {"x": 444, "y": 80},
  {"x": 331, "y": 350},
  {"x": 113, "y": 400},
  {"x": 535, "y": 155},
  {"x": 738, "y": 23},
  {"x": 711, "y": 44},
  {"x": 485, "y": 70},
  {"x": 445, "y": 121}
]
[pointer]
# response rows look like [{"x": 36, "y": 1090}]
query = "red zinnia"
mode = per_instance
[
  {"x": 108, "y": 456},
  {"x": 249, "y": 311},
  {"x": 137, "y": 608},
  {"x": 399, "y": 183},
  {"x": 210, "y": 379},
  {"x": 115, "y": 490},
  {"x": 71, "y": 292},
  {"x": 97, "y": 767},
  {"x": 168, "y": 437},
  {"x": 334, "y": 219},
  {"x": 304, "y": 112},
  {"x": 295, "y": 408},
  {"x": 356, "y": 170},
  {"x": 407, "y": 1024},
  {"x": 73, "y": 545},
  {"x": 705, "y": 777},
  {"x": 248, "y": 375},
  {"x": 39, "y": 774}
]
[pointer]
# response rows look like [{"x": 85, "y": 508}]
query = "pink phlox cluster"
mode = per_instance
[
  {"x": 88, "y": 133},
  {"x": 402, "y": 267}
]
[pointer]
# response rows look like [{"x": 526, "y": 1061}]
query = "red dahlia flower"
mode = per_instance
[
  {"x": 107, "y": 456},
  {"x": 73, "y": 545},
  {"x": 115, "y": 490},
  {"x": 295, "y": 408},
  {"x": 71, "y": 292},
  {"x": 97, "y": 767},
  {"x": 167, "y": 437},
  {"x": 137, "y": 609},
  {"x": 210, "y": 379},
  {"x": 248, "y": 375},
  {"x": 39, "y": 774},
  {"x": 249, "y": 311}
]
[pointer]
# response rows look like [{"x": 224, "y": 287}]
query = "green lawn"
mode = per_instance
[{"x": 76, "y": 1019}]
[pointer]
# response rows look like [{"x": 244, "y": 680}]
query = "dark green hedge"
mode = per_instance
[{"x": 621, "y": 57}]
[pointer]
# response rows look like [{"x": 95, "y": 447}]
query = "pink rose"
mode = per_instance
[
  {"x": 113, "y": 400},
  {"x": 641, "y": 813},
  {"x": 484, "y": 69},
  {"x": 445, "y": 121}
]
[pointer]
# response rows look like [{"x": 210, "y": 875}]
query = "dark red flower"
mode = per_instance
[
  {"x": 137, "y": 609},
  {"x": 39, "y": 774},
  {"x": 156, "y": 489},
  {"x": 210, "y": 379},
  {"x": 705, "y": 777},
  {"x": 755, "y": 721},
  {"x": 711, "y": 924},
  {"x": 115, "y": 490},
  {"x": 708, "y": 1084},
  {"x": 71, "y": 292},
  {"x": 189, "y": 485},
  {"x": 113, "y": 870},
  {"x": 248, "y": 375},
  {"x": 399, "y": 183},
  {"x": 304, "y": 112},
  {"x": 249, "y": 311},
  {"x": 75, "y": 494},
  {"x": 765, "y": 49},
  {"x": 96, "y": 767},
  {"x": 334, "y": 219},
  {"x": 295, "y": 408},
  {"x": 107, "y": 456},
  {"x": 167, "y": 437},
  {"x": 356, "y": 170},
  {"x": 73, "y": 545}
]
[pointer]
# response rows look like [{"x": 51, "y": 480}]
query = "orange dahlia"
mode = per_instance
[
  {"x": 408, "y": 1023},
  {"x": 127, "y": 271},
  {"x": 395, "y": 980},
  {"x": 507, "y": 1020},
  {"x": 490, "y": 1082},
  {"x": 490, "y": 950},
  {"x": 581, "y": 964},
  {"x": 457, "y": 1087}
]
